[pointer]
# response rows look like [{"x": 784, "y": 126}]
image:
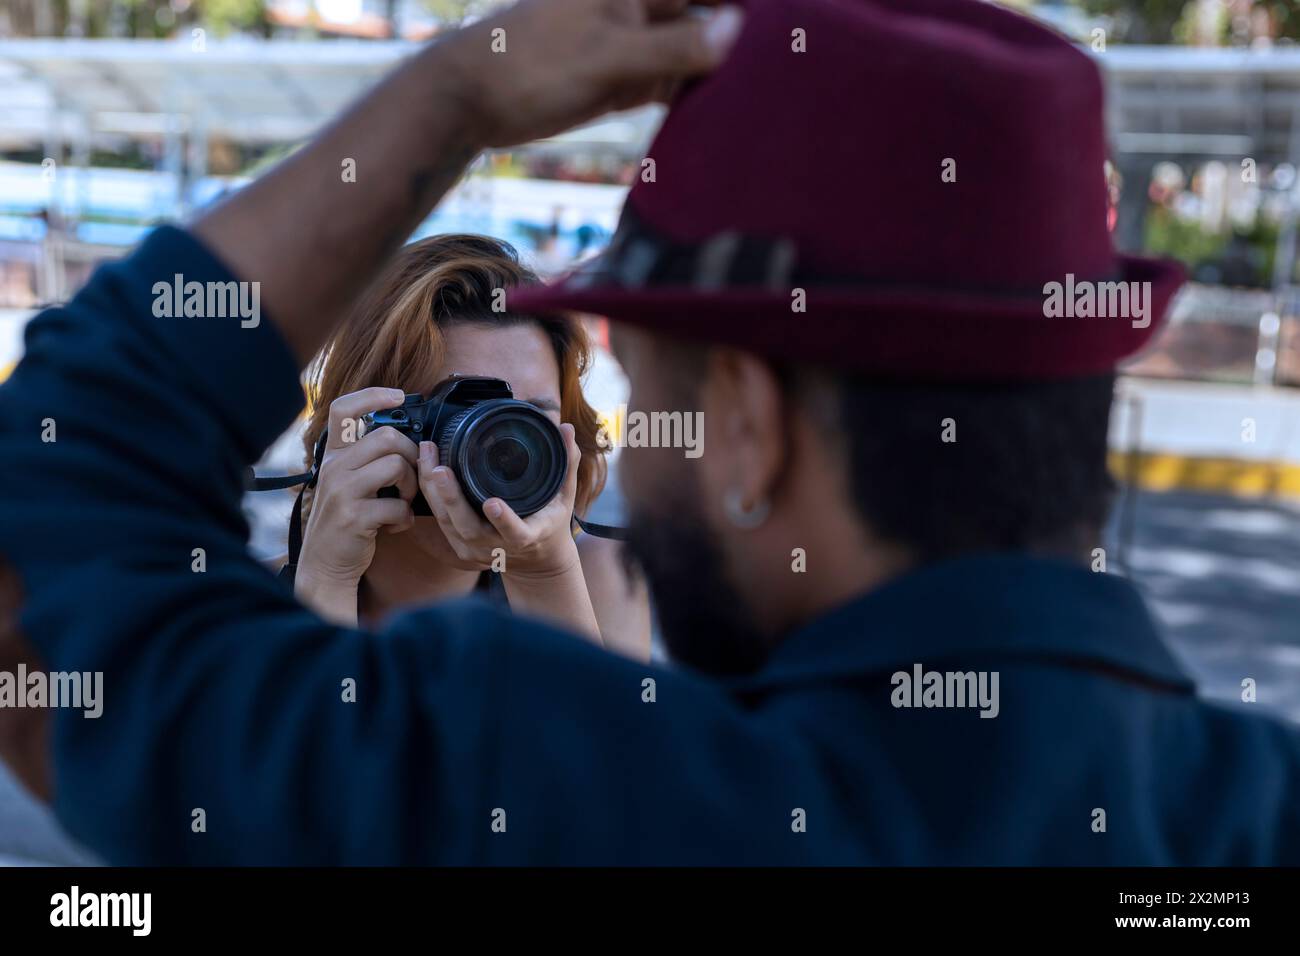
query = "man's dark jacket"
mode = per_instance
[{"x": 476, "y": 737}]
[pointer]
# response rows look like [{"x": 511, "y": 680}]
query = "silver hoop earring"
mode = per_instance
[{"x": 745, "y": 518}]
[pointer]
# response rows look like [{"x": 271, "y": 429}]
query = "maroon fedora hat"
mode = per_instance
[{"x": 903, "y": 187}]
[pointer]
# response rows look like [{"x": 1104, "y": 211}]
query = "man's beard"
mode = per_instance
[{"x": 702, "y": 618}]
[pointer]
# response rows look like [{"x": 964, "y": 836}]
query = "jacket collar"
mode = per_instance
[{"x": 980, "y": 607}]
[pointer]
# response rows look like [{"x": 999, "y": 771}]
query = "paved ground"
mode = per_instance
[
  {"x": 28, "y": 831},
  {"x": 1223, "y": 575}
]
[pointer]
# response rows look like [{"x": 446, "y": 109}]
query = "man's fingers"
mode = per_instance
[
  {"x": 681, "y": 47},
  {"x": 346, "y": 410}
]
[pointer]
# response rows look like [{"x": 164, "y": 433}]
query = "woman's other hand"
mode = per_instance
[
  {"x": 537, "y": 556},
  {"x": 347, "y": 513},
  {"x": 540, "y": 545}
]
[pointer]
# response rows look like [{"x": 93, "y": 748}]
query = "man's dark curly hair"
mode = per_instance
[{"x": 1027, "y": 470}]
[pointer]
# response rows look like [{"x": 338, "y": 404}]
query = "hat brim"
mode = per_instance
[{"x": 911, "y": 333}]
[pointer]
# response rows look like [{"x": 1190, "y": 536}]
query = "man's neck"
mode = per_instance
[
  {"x": 843, "y": 580},
  {"x": 797, "y": 570}
]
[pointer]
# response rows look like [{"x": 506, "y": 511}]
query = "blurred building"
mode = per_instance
[{"x": 362, "y": 19}]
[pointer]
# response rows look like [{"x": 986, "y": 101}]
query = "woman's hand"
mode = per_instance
[
  {"x": 346, "y": 512},
  {"x": 540, "y": 566},
  {"x": 540, "y": 545}
]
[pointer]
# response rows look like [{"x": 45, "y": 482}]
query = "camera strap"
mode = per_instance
[
  {"x": 601, "y": 530},
  {"x": 307, "y": 479}
]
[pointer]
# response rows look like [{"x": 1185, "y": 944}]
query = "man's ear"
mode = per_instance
[
  {"x": 24, "y": 731},
  {"x": 744, "y": 397}
]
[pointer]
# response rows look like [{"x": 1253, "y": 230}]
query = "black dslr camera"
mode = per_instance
[{"x": 496, "y": 445}]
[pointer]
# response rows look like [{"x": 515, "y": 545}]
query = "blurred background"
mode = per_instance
[{"x": 119, "y": 114}]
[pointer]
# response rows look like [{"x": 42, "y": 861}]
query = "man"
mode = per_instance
[{"x": 876, "y": 576}]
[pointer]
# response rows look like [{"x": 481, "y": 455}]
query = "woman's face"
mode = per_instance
[{"x": 520, "y": 354}]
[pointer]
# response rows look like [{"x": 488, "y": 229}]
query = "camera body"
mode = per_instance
[{"x": 495, "y": 444}]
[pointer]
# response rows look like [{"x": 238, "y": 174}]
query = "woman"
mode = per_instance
[{"x": 428, "y": 317}]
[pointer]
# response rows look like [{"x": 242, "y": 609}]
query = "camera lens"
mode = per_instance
[
  {"x": 507, "y": 449},
  {"x": 507, "y": 459}
]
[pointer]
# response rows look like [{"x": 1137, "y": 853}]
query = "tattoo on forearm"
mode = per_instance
[{"x": 428, "y": 185}]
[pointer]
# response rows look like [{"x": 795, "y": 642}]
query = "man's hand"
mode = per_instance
[
  {"x": 545, "y": 65},
  {"x": 313, "y": 238}
]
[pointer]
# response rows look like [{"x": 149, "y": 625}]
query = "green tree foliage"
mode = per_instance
[
  {"x": 226, "y": 15},
  {"x": 455, "y": 11},
  {"x": 1166, "y": 21},
  {"x": 1140, "y": 21},
  {"x": 130, "y": 18},
  {"x": 1286, "y": 17}
]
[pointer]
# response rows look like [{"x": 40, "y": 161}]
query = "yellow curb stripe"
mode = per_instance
[
  {"x": 1155, "y": 471},
  {"x": 1162, "y": 471},
  {"x": 612, "y": 422}
]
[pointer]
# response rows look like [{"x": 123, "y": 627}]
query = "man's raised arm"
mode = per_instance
[{"x": 313, "y": 237}]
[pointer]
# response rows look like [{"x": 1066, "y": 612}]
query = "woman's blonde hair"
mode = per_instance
[{"x": 394, "y": 337}]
